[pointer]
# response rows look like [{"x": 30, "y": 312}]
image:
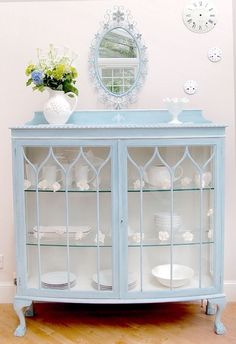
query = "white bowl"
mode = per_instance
[
  {"x": 166, "y": 215},
  {"x": 168, "y": 222},
  {"x": 181, "y": 274}
]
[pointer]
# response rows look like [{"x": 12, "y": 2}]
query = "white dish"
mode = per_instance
[
  {"x": 62, "y": 229},
  {"x": 57, "y": 279},
  {"x": 61, "y": 286},
  {"x": 181, "y": 274},
  {"x": 130, "y": 286},
  {"x": 166, "y": 215},
  {"x": 167, "y": 228},
  {"x": 105, "y": 279}
]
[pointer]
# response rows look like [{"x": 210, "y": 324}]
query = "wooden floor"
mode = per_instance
[{"x": 176, "y": 323}]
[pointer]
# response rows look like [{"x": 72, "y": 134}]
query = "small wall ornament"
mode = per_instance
[
  {"x": 200, "y": 15},
  {"x": 190, "y": 87},
  {"x": 215, "y": 54}
]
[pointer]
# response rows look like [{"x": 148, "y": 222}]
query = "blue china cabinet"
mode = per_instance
[{"x": 119, "y": 207}]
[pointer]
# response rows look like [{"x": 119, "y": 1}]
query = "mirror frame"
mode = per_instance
[{"x": 113, "y": 19}]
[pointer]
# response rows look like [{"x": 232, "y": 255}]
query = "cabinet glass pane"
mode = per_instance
[
  {"x": 68, "y": 205},
  {"x": 171, "y": 217}
]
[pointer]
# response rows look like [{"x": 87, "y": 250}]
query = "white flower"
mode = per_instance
[
  {"x": 82, "y": 185},
  {"x": 137, "y": 237},
  {"x": 100, "y": 237},
  {"x": 55, "y": 186},
  {"x": 27, "y": 184},
  {"x": 188, "y": 236},
  {"x": 137, "y": 184},
  {"x": 163, "y": 235},
  {"x": 43, "y": 184}
]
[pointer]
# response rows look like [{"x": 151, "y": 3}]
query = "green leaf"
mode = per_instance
[
  {"x": 29, "y": 82},
  {"x": 41, "y": 88},
  {"x": 60, "y": 87}
]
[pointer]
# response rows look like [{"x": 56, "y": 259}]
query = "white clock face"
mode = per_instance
[{"x": 199, "y": 15}]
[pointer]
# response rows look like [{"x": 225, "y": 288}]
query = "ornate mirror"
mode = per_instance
[{"x": 117, "y": 61}]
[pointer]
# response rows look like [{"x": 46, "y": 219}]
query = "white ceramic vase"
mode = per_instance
[{"x": 58, "y": 109}]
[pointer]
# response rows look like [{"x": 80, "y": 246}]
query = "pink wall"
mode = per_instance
[{"x": 175, "y": 55}]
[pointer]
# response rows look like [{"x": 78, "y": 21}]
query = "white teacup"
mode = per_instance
[
  {"x": 83, "y": 174},
  {"x": 206, "y": 179},
  {"x": 50, "y": 174}
]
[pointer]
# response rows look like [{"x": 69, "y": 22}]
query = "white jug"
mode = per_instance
[
  {"x": 57, "y": 109},
  {"x": 159, "y": 176}
]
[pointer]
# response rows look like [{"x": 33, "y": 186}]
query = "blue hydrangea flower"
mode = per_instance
[{"x": 37, "y": 77}]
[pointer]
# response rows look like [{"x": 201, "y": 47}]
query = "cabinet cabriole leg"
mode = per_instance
[
  {"x": 220, "y": 305},
  {"x": 210, "y": 308},
  {"x": 19, "y": 306},
  {"x": 29, "y": 312}
]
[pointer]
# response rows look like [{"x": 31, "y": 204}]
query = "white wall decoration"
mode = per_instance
[
  {"x": 215, "y": 54},
  {"x": 200, "y": 15},
  {"x": 190, "y": 87}
]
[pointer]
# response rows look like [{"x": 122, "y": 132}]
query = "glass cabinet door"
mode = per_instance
[
  {"x": 171, "y": 218},
  {"x": 69, "y": 218}
]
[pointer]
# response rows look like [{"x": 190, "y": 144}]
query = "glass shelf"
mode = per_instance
[
  {"x": 168, "y": 190},
  {"x": 74, "y": 243},
  {"x": 192, "y": 243},
  {"x": 57, "y": 244},
  {"x": 69, "y": 190},
  {"x": 129, "y": 190}
]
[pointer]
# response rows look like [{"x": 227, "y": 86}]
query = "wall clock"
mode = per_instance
[{"x": 200, "y": 15}]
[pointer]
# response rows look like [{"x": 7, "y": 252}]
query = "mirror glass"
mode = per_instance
[{"x": 118, "y": 61}]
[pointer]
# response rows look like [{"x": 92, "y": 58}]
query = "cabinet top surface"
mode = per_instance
[{"x": 123, "y": 119}]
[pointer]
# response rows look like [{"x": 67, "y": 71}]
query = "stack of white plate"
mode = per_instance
[
  {"x": 105, "y": 280},
  {"x": 58, "y": 280},
  {"x": 163, "y": 221}
]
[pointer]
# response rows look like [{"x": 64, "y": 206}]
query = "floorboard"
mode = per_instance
[{"x": 173, "y": 323}]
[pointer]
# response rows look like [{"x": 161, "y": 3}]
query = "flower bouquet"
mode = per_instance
[{"x": 54, "y": 70}]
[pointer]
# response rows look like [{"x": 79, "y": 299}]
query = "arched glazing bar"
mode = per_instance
[
  {"x": 65, "y": 171},
  {"x": 141, "y": 170}
]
